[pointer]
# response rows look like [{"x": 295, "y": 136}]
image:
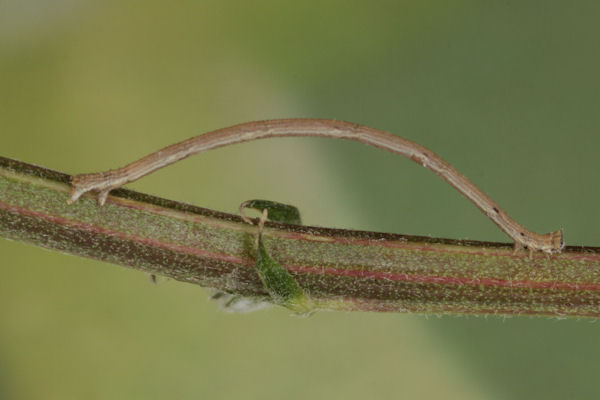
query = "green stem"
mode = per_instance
[{"x": 337, "y": 269}]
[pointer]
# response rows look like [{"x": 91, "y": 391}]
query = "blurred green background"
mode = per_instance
[{"x": 506, "y": 91}]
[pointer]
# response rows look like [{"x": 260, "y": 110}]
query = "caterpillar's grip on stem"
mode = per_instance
[{"x": 104, "y": 182}]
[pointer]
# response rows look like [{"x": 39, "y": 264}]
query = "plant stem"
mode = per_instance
[{"x": 338, "y": 269}]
